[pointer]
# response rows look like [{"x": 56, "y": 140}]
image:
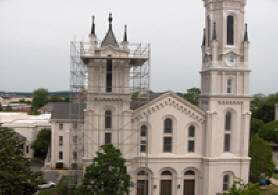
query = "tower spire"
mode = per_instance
[
  {"x": 93, "y": 26},
  {"x": 125, "y": 34},
  {"x": 214, "y": 37},
  {"x": 110, "y": 19},
  {"x": 246, "y": 34}
]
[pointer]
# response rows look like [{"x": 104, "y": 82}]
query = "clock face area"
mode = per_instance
[{"x": 230, "y": 59}]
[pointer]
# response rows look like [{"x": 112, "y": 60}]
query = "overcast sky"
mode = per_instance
[{"x": 35, "y": 36}]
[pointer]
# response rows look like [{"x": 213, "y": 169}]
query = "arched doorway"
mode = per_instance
[
  {"x": 142, "y": 183},
  {"x": 189, "y": 183},
  {"x": 166, "y": 183}
]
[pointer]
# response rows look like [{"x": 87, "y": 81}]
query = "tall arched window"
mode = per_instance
[
  {"x": 229, "y": 86},
  {"x": 209, "y": 29},
  {"x": 226, "y": 182},
  {"x": 108, "y": 119},
  {"x": 109, "y": 76},
  {"x": 227, "y": 134},
  {"x": 191, "y": 139},
  {"x": 166, "y": 183},
  {"x": 230, "y": 30},
  {"x": 143, "y": 138},
  {"x": 168, "y": 125},
  {"x": 142, "y": 183}
]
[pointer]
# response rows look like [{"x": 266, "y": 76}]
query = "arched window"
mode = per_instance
[
  {"x": 229, "y": 86},
  {"x": 109, "y": 76},
  {"x": 143, "y": 140},
  {"x": 209, "y": 29},
  {"x": 108, "y": 119},
  {"x": 227, "y": 134},
  {"x": 191, "y": 139},
  {"x": 189, "y": 172},
  {"x": 166, "y": 183},
  {"x": 142, "y": 183},
  {"x": 168, "y": 125},
  {"x": 230, "y": 30},
  {"x": 226, "y": 182}
]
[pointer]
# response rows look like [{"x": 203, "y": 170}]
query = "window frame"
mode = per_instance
[
  {"x": 108, "y": 119},
  {"x": 168, "y": 125},
  {"x": 229, "y": 86},
  {"x": 228, "y": 131},
  {"x": 191, "y": 139},
  {"x": 230, "y": 30},
  {"x": 168, "y": 146},
  {"x": 61, "y": 140},
  {"x": 107, "y": 139}
]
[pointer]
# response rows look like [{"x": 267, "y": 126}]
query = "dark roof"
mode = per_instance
[
  {"x": 110, "y": 38},
  {"x": 66, "y": 110},
  {"x": 137, "y": 102}
]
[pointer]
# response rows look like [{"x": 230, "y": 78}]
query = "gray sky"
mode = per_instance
[{"x": 35, "y": 36}]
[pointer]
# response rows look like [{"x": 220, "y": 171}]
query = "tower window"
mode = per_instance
[
  {"x": 209, "y": 29},
  {"x": 109, "y": 76},
  {"x": 60, "y": 155},
  {"x": 230, "y": 30},
  {"x": 108, "y": 138},
  {"x": 226, "y": 183},
  {"x": 167, "y": 144},
  {"x": 108, "y": 119},
  {"x": 191, "y": 139},
  {"x": 229, "y": 86},
  {"x": 143, "y": 138},
  {"x": 168, "y": 125},
  {"x": 227, "y": 134},
  {"x": 60, "y": 140}
]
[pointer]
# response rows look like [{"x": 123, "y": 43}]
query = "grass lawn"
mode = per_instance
[{"x": 270, "y": 190}]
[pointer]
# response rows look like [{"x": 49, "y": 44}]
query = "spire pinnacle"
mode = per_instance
[
  {"x": 246, "y": 33},
  {"x": 93, "y": 26},
  {"x": 214, "y": 38},
  {"x": 204, "y": 37},
  {"x": 125, "y": 34},
  {"x": 110, "y": 19}
]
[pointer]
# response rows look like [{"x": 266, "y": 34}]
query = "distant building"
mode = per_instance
[{"x": 27, "y": 126}]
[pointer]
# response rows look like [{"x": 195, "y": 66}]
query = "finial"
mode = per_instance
[
  {"x": 214, "y": 38},
  {"x": 110, "y": 19},
  {"x": 93, "y": 26},
  {"x": 204, "y": 37},
  {"x": 125, "y": 34},
  {"x": 246, "y": 33}
]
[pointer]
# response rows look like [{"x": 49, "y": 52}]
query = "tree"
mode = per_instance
[
  {"x": 107, "y": 174},
  {"x": 256, "y": 126},
  {"x": 269, "y": 132},
  {"x": 16, "y": 176},
  {"x": 193, "y": 95},
  {"x": 41, "y": 144},
  {"x": 40, "y": 98},
  {"x": 261, "y": 158},
  {"x": 243, "y": 189},
  {"x": 1, "y": 109}
]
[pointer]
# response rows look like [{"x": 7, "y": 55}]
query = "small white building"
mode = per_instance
[{"x": 27, "y": 126}]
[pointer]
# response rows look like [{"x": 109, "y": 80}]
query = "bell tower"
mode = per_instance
[{"x": 225, "y": 92}]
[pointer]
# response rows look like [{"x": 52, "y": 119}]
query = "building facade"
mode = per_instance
[{"x": 171, "y": 146}]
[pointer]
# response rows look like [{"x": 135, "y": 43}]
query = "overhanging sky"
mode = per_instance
[{"x": 35, "y": 36}]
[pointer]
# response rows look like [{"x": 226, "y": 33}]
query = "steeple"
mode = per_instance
[
  {"x": 110, "y": 38},
  {"x": 214, "y": 38},
  {"x": 246, "y": 34},
  {"x": 93, "y": 26},
  {"x": 125, "y": 34}
]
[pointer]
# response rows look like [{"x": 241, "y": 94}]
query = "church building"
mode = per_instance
[{"x": 172, "y": 147}]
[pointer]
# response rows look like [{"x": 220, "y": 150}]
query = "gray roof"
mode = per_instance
[
  {"x": 66, "y": 110},
  {"x": 138, "y": 102},
  {"x": 110, "y": 38}
]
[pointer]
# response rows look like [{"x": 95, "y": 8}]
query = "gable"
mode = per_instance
[{"x": 169, "y": 99}]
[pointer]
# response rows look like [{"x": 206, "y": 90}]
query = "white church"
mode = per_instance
[{"x": 171, "y": 146}]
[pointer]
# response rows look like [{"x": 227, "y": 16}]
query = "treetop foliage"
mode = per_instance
[{"x": 41, "y": 144}]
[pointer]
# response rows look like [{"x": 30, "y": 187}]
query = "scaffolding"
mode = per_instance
[{"x": 135, "y": 58}]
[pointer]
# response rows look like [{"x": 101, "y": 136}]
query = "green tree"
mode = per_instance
[
  {"x": 243, "y": 189},
  {"x": 193, "y": 95},
  {"x": 256, "y": 126},
  {"x": 261, "y": 158},
  {"x": 41, "y": 144},
  {"x": 269, "y": 132},
  {"x": 16, "y": 176},
  {"x": 107, "y": 174},
  {"x": 1, "y": 109},
  {"x": 40, "y": 98}
]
